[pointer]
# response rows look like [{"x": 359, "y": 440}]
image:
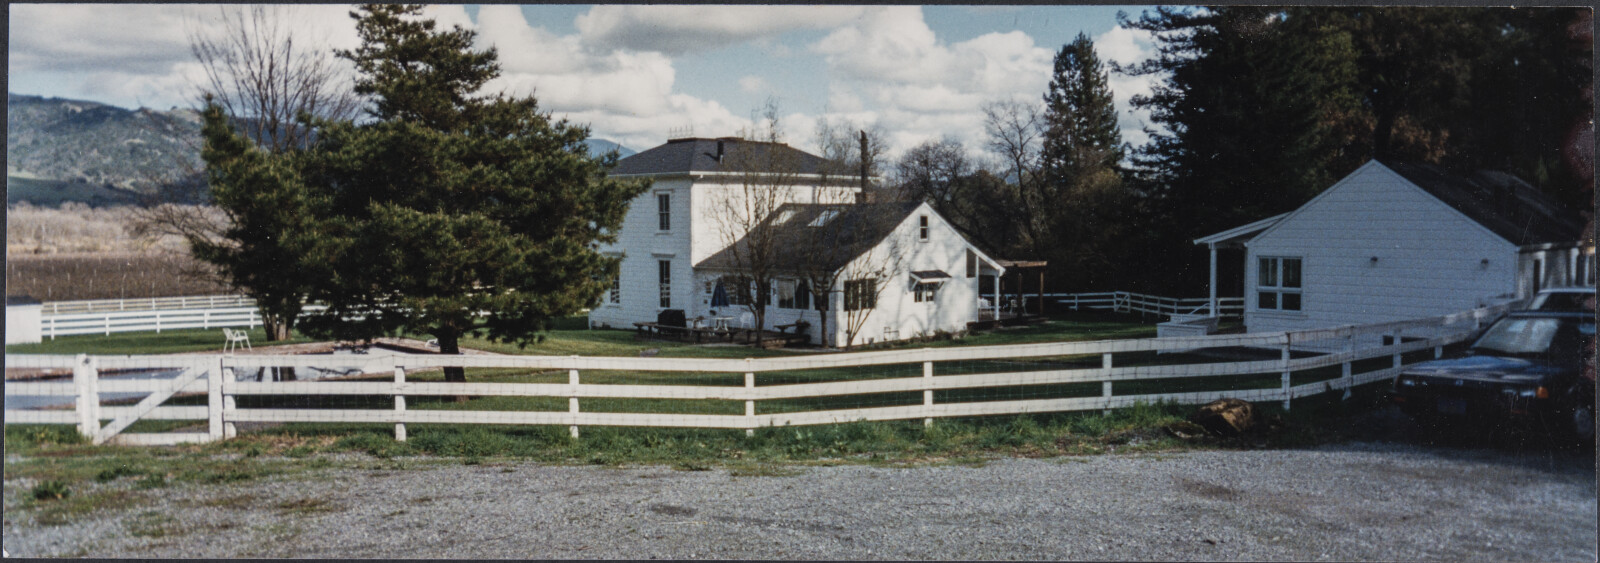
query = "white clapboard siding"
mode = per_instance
[{"x": 1430, "y": 258}]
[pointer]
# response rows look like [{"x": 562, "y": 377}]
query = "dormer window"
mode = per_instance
[{"x": 823, "y": 218}]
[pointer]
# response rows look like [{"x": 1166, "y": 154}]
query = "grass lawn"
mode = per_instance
[{"x": 571, "y": 336}]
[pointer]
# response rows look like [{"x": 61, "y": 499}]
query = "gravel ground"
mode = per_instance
[{"x": 1388, "y": 499}]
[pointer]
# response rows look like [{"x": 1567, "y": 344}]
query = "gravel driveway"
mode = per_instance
[{"x": 1354, "y": 501}]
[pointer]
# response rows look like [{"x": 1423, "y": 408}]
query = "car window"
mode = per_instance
[
  {"x": 1518, "y": 336},
  {"x": 1563, "y": 301}
]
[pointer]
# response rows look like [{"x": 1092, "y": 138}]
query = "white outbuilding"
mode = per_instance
[{"x": 1395, "y": 241}]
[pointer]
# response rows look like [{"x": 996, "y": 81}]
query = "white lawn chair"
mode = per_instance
[
  {"x": 747, "y": 320},
  {"x": 234, "y": 337}
]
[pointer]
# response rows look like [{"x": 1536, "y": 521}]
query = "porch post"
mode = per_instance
[
  {"x": 995, "y": 306},
  {"x": 1213, "y": 310}
]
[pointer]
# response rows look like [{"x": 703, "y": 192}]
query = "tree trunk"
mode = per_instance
[{"x": 450, "y": 344}]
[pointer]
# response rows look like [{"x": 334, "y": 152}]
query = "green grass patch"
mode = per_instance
[{"x": 165, "y": 342}]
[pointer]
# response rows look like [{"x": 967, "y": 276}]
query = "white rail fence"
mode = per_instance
[
  {"x": 147, "y": 304},
  {"x": 108, "y": 322},
  {"x": 1126, "y": 302},
  {"x": 841, "y": 376}
]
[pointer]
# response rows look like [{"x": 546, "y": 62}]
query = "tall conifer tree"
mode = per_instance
[{"x": 451, "y": 213}]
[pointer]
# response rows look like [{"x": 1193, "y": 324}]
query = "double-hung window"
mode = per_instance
[
  {"x": 925, "y": 292},
  {"x": 1278, "y": 284},
  {"x": 922, "y": 228},
  {"x": 665, "y": 267},
  {"x": 664, "y": 210}
]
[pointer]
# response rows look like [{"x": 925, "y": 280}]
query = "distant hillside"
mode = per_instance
[
  {"x": 599, "y": 147},
  {"x": 74, "y": 150},
  {"x": 82, "y": 142}
]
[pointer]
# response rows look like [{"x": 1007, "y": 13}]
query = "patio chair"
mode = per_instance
[
  {"x": 747, "y": 320},
  {"x": 234, "y": 337}
]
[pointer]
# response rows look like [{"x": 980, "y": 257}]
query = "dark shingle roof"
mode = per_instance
[
  {"x": 700, "y": 155},
  {"x": 1500, "y": 202},
  {"x": 856, "y": 229}
]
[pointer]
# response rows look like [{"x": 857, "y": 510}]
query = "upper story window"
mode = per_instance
[
  {"x": 664, "y": 210},
  {"x": 1278, "y": 284},
  {"x": 922, "y": 228}
]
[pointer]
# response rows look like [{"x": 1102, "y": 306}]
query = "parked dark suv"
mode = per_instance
[{"x": 1530, "y": 366}]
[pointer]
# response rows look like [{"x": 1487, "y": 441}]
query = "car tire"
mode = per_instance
[{"x": 1580, "y": 425}]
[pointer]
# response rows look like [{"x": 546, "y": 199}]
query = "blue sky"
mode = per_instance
[{"x": 636, "y": 73}]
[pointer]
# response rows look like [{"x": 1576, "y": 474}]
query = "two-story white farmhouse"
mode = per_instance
[
  {"x": 1396, "y": 241},
  {"x": 671, "y": 231}
]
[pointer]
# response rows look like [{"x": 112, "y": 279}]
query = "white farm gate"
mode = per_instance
[{"x": 767, "y": 383}]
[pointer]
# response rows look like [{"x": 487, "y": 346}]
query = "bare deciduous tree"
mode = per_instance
[
  {"x": 1015, "y": 135},
  {"x": 765, "y": 175},
  {"x": 272, "y": 83},
  {"x": 266, "y": 77}
]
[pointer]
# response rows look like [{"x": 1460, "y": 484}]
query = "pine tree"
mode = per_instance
[
  {"x": 1080, "y": 160},
  {"x": 449, "y": 213},
  {"x": 1081, "y": 132}
]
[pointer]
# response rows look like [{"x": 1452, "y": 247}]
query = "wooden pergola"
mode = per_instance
[{"x": 1018, "y": 266}]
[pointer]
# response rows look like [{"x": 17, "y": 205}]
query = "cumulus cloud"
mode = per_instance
[
  {"x": 623, "y": 95},
  {"x": 676, "y": 30},
  {"x": 1127, "y": 46},
  {"x": 925, "y": 88}
]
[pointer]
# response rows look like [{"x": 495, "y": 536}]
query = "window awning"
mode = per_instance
[{"x": 929, "y": 276}]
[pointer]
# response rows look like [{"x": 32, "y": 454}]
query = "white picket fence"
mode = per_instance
[
  {"x": 214, "y": 375},
  {"x": 1127, "y": 302}
]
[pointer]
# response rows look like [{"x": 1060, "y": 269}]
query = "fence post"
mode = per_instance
[
  {"x": 749, "y": 404},
  {"x": 158, "y": 322},
  {"x": 927, "y": 393},
  {"x": 399, "y": 403},
  {"x": 228, "y": 405},
  {"x": 214, "y": 383},
  {"x": 1105, "y": 386},
  {"x": 572, "y": 402},
  {"x": 85, "y": 375},
  {"x": 1349, "y": 379},
  {"x": 108, "y": 324},
  {"x": 205, "y": 320},
  {"x": 1285, "y": 358},
  {"x": 1397, "y": 345}
]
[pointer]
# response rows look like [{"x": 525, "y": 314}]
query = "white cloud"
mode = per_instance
[
  {"x": 924, "y": 88},
  {"x": 1128, "y": 46},
  {"x": 623, "y": 95},
  {"x": 752, "y": 84},
  {"x": 682, "y": 29}
]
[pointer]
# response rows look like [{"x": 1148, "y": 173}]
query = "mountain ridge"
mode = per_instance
[{"x": 58, "y": 149}]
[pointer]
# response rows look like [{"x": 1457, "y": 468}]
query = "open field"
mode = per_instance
[
  {"x": 80, "y": 252},
  {"x": 64, "y": 277}
]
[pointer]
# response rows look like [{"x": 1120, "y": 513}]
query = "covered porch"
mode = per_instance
[
  {"x": 1235, "y": 238},
  {"x": 998, "y": 307}
]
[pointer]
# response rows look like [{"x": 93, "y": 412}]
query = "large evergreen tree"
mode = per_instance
[
  {"x": 1246, "y": 123},
  {"x": 450, "y": 213},
  {"x": 1080, "y": 162},
  {"x": 1081, "y": 131}
]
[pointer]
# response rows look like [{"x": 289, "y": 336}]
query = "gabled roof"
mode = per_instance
[
  {"x": 1502, "y": 203},
  {"x": 856, "y": 229},
  {"x": 691, "y": 155}
]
